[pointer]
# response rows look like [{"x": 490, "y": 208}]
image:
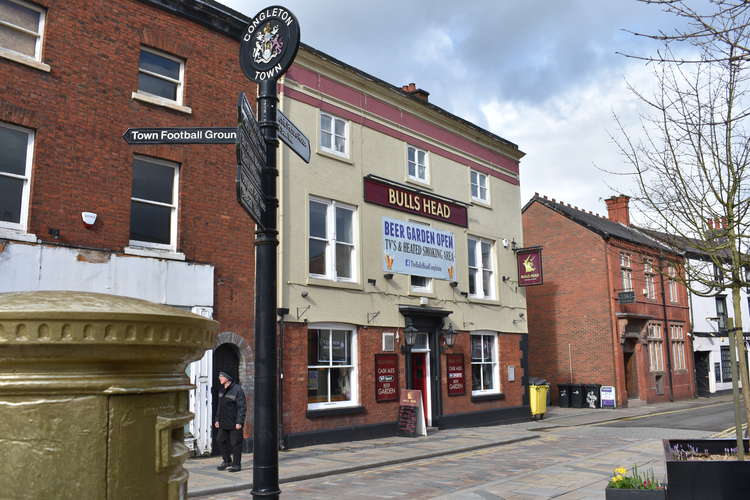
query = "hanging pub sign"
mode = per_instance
[
  {"x": 456, "y": 374},
  {"x": 529, "y": 262},
  {"x": 414, "y": 202},
  {"x": 419, "y": 250},
  {"x": 386, "y": 377},
  {"x": 269, "y": 44}
]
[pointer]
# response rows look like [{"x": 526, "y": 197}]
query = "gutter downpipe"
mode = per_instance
[{"x": 666, "y": 327}]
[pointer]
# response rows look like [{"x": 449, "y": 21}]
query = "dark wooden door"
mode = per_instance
[
  {"x": 631, "y": 375},
  {"x": 701, "y": 373}
]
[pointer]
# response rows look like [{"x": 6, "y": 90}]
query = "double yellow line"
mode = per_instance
[{"x": 730, "y": 431}]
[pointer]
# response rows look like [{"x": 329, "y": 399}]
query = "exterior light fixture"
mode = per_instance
[
  {"x": 410, "y": 335},
  {"x": 453, "y": 284},
  {"x": 449, "y": 336},
  {"x": 388, "y": 276},
  {"x": 513, "y": 244}
]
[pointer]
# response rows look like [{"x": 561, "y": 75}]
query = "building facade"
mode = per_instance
[
  {"x": 611, "y": 310},
  {"x": 406, "y": 216}
]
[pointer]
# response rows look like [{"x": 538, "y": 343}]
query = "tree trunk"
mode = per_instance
[{"x": 741, "y": 350}]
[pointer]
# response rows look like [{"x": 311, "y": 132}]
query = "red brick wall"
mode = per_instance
[
  {"x": 82, "y": 107},
  {"x": 568, "y": 316}
]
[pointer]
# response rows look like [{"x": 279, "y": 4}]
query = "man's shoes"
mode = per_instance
[
  {"x": 234, "y": 468},
  {"x": 222, "y": 466}
]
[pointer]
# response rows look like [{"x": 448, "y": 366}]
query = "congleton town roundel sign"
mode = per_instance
[{"x": 269, "y": 44}]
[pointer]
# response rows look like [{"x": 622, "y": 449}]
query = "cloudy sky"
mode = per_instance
[{"x": 543, "y": 74}]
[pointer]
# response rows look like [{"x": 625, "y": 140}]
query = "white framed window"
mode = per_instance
[
  {"x": 420, "y": 284},
  {"x": 673, "y": 296},
  {"x": 334, "y": 132},
  {"x": 331, "y": 366},
  {"x": 480, "y": 188},
  {"x": 626, "y": 272},
  {"x": 677, "y": 336},
  {"x": 485, "y": 372},
  {"x": 332, "y": 240},
  {"x": 161, "y": 75},
  {"x": 16, "y": 151},
  {"x": 655, "y": 347},
  {"x": 153, "y": 207},
  {"x": 481, "y": 268},
  {"x": 649, "y": 289},
  {"x": 417, "y": 166},
  {"x": 21, "y": 28}
]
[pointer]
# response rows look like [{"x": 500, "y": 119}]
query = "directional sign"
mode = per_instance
[
  {"x": 177, "y": 135},
  {"x": 251, "y": 158},
  {"x": 293, "y": 137}
]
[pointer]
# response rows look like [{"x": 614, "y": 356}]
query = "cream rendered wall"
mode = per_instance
[{"x": 372, "y": 152}]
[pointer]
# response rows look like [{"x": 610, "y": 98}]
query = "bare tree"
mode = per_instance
[{"x": 691, "y": 156}]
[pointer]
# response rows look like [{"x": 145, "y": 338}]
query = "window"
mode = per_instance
[
  {"x": 485, "y": 376},
  {"x": 416, "y": 161},
  {"x": 479, "y": 187},
  {"x": 17, "y": 145},
  {"x": 331, "y": 367},
  {"x": 160, "y": 75},
  {"x": 677, "y": 336},
  {"x": 721, "y": 311},
  {"x": 655, "y": 352},
  {"x": 481, "y": 274},
  {"x": 332, "y": 240},
  {"x": 420, "y": 284},
  {"x": 648, "y": 278},
  {"x": 21, "y": 27},
  {"x": 153, "y": 209},
  {"x": 333, "y": 134},
  {"x": 673, "y": 297},
  {"x": 626, "y": 271},
  {"x": 726, "y": 364}
]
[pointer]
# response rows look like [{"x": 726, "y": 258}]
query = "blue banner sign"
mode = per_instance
[{"x": 420, "y": 250}]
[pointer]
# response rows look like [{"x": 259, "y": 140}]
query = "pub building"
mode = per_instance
[{"x": 397, "y": 261}]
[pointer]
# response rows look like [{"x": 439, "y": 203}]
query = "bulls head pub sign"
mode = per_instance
[{"x": 269, "y": 44}]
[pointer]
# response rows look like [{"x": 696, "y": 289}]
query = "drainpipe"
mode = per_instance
[
  {"x": 666, "y": 327},
  {"x": 281, "y": 312}
]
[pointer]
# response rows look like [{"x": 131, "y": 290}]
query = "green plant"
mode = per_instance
[{"x": 637, "y": 480}]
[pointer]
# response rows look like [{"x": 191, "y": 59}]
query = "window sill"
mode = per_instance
[
  {"x": 417, "y": 182},
  {"x": 154, "y": 252},
  {"x": 480, "y": 203},
  {"x": 335, "y": 412},
  {"x": 481, "y": 300},
  {"x": 334, "y": 156},
  {"x": 481, "y": 398},
  {"x": 160, "y": 101},
  {"x": 25, "y": 60},
  {"x": 16, "y": 235},
  {"x": 351, "y": 285}
]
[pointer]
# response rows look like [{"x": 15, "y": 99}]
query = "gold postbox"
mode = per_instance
[{"x": 94, "y": 396}]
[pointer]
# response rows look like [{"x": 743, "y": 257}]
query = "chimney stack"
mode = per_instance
[
  {"x": 617, "y": 209},
  {"x": 412, "y": 89}
]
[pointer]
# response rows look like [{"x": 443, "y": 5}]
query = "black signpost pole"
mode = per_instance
[{"x": 265, "y": 430}]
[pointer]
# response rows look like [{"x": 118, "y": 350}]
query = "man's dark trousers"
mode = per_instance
[{"x": 230, "y": 443}]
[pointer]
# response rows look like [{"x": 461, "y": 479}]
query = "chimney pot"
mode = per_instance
[
  {"x": 617, "y": 209},
  {"x": 412, "y": 89}
]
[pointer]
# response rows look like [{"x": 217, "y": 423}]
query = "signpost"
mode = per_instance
[
  {"x": 268, "y": 48},
  {"x": 251, "y": 158},
  {"x": 293, "y": 137},
  {"x": 180, "y": 135}
]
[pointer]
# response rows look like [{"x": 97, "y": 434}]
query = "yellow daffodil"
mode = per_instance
[{"x": 621, "y": 470}]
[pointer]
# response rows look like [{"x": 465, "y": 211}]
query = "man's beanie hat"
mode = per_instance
[{"x": 225, "y": 375}]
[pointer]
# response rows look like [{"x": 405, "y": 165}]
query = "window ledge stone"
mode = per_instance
[
  {"x": 160, "y": 101},
  {"x": 334, "y": 412},
  {"x": 481, "y": 398},
  {"x": 25, "y": 60},
  {"x": 154, "y": 252},
  {"x": 334, "y": 156},
  {"x": 17, "y": 235}
]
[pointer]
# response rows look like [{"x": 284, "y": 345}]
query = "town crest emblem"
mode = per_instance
[{"x": 268, "y": 43}]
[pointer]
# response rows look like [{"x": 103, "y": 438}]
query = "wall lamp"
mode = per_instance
[
  {"x": 388, "y": 276},
  {"x": 372, "y": 281},
  {"x": 453, "y": 284}
]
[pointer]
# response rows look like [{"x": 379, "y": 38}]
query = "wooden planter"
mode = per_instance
[
  {"x": 626, "y": 494},
  {"x": 703, "y": 479}
]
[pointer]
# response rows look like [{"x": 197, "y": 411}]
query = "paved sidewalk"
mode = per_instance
[{"x": 324, "y": 460}]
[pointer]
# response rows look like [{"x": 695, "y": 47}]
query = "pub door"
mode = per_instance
[
  {"x": 701, "y": 373},
  {"x": 421, "y": 381}
]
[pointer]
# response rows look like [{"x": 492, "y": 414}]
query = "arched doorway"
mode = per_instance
[{"x": 226, "y": 358}]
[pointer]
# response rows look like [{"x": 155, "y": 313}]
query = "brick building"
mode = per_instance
[
  {"x": 583, "y": 327},
  {"x": 168, "y": 227}
]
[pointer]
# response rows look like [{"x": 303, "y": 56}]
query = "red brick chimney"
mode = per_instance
[
  {"x": 418, "y": 93},
  {"x": 617, "y": 209}
]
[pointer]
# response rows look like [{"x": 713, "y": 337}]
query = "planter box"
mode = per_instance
[
  {"x": 626, "y": 494},
  {"x": 703, "y": 479}
]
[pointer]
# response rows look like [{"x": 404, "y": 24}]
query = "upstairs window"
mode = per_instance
[
  {"x": 153, "y": 209},
  {"x": 160, "y": 75},
  {"x": 481, "y": 269},
  {"x": 648, "y": 278},
  {"x": 626, "y": 271},
  {"x": 480, "y": 190},
  {"x": 672, "y": 272},
  {"x": 16, "y": 147},
  {"x": 331, "y": 240},
  {"x": 21, "y": 28},
  {"x": 677, "y": 336},
  {"x": 333, "y": 135},
  {"x": 416, "y": 161}
]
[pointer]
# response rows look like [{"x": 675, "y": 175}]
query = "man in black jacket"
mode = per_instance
[{"x": 230, "y": 417}]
